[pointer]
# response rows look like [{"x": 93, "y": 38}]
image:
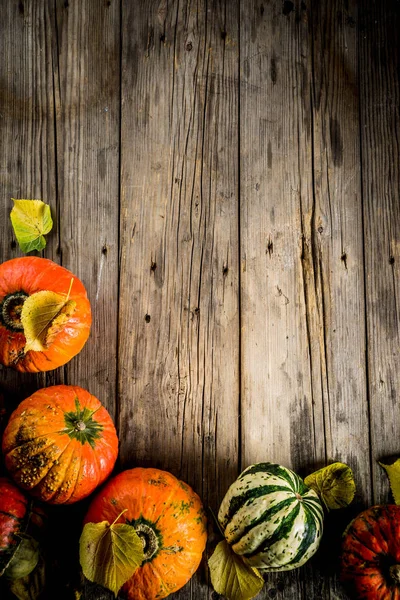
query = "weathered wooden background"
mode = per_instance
[{"x": 224, "y": 178}]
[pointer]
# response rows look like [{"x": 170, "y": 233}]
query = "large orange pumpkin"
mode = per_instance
[
  {"x": 60, "y": 444},
  {"x": 22, "y": 277},
  {"x": 168, "y": 516}
]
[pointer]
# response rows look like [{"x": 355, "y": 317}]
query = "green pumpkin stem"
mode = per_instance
[{"x": 80, "y": 425}]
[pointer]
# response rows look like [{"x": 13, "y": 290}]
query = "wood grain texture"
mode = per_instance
[
  {"x": 281, "y": 419},
  {"x": 27, "y": 151},
  {"x": 380, "y": 134},
  {"x": 179, "y": 351},
  {"x": 86, "y": 55},
  {"x": 335, "y": 237},
  {"x": 224, "y": 178}
]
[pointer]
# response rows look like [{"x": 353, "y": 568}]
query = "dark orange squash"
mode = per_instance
[
  {"x": 169, "y": 518},
  {"x": 13, "y": 513},
  {"x": 371, "y": 554},
  {"x": 60, "y": 444},
  {"x": 21, "y": 524},
  {"x": 22, "y": 277}
]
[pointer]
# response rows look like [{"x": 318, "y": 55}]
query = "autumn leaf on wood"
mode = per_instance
[
  {"x": 231, "y": 576},
  {"x": 393, "y": 472},
  {"x": 31, "y": 221},
  {"x": 334, "y": 484}
]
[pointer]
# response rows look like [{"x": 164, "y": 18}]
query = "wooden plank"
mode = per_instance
[
  {"x": 380, "y": 134},
  {"x": 27, "y": 152},
  {"x": 87, "y": 98},
  {"x": 282, "y": 411},
  {"x": 179, "y": 327},
  {"x": 336, "y": 237},
  {"x": 333, "y": 257}
]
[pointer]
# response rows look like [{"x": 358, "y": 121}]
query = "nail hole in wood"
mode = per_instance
[
  {"x": 320, "y": 229},
  {"x": 343, "y": 258},
  {"x": 104, "y": 249},
  {"x": 13, "y": 244},
  {"x": 162, "y": 38},
  {"x": 153, "y": 266},
  {"x": 147, "y": 318},
  {"x": 391, "y": 260},
  {"x": 189, "y": 46},
  {"x": 225, "y": 270},
  {"x": 223, "y": 35},
  {"x": 270, "y": 247},
  {"x": 288, "y": 6}
]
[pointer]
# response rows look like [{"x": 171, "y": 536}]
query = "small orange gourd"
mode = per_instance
[
  {"x": 19, "y": 279},
  {"x": 168, "y": 516}
]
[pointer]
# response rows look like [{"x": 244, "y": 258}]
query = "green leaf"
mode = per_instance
[
  {"x": 334, "y": 484},
  {"x": 231, "y": 577},
  {"x": 31, "y": 586},
  {"x": 110, "y": 554},
  {"x": 24, "y": 559},
  {"x": 31, "y": 220},
  {"x": 43, "y": 316},
  {"x": 393, "y": 472}
]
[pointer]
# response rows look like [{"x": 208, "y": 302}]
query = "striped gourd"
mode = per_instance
[{"x": 271, "y": 518}]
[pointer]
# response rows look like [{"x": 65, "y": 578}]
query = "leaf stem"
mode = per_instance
[{"x": 120, "y": 515}]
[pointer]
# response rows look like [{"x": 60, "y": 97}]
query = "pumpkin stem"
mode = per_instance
[
  {"x": 395, "y": 573},
  {"x": 149, "y": 539},
  {"x": 80, "y": 425},
  {"x": 10, "y": 311}
]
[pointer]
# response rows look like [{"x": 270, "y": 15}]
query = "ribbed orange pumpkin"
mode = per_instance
[
  {"x": 168, "y": 516},
  {"x": 22, "y": 277},
  {"x": 60, "y": 444},
  {"x": 371, "y": 554}
]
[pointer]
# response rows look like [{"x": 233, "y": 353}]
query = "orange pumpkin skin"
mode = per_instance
[
  {"x": 60, "y": 444},
  {"x": 168, "y": 516},
  {"x": 13, "y": 510},
  {"x": 371, "y": 554},
  {"x": 21, "y": 277}
]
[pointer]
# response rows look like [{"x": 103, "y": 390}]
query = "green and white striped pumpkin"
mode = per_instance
[{"x": 271, "y": 518}]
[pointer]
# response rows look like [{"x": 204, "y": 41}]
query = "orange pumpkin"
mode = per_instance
[
  {"x": 22, "y": 277},
  {"x": 168, "y": 516},
  {"x": 60, "y": 444}
]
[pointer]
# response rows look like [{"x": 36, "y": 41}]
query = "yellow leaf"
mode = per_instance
[
  {"x": 231, "y": 577},
  {"x": 334, "y": 484},
  {"x": 31, "y": 220},
  {"x": 43, "y": 315},
  {"x": 110, "y": 554},
  {"x": 393, "y": 472}
]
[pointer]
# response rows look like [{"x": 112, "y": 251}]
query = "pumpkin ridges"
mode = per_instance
[
  {"x": 47, "y": 487},
  {"x": 34, "y": 469},
  {"x": 371, "y": 546}
]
